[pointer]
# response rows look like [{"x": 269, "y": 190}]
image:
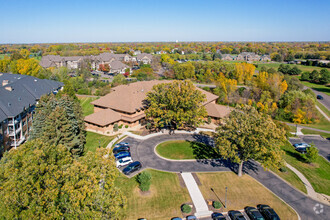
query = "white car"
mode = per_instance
[{"x": 123, "y": 161}]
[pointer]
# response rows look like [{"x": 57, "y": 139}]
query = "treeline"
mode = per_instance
[
  {"x": 271, "y": 91},
  {"x": 280, "y": 51}
]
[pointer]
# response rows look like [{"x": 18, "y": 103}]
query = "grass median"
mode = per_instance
[{"x": 180, "y": 150}]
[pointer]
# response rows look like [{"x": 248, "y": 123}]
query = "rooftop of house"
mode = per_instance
[
  {"x": 129, "y": 98},
  {"x": 19, "y": 92},
  {"x": 143, "y": 55},
  {"x": 117, "y": 65}
]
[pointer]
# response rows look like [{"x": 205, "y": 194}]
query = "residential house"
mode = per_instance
[
  {"x": 144, "y": 58},
  {"x": 19, "y": 95},
  {"x": 125, "y": 106},
  {"x": 265, "y": 58},
  {"x": 247, "y": 56},
  {"x": 227, "y": 57},
  {"x": 118, "y": 67}
]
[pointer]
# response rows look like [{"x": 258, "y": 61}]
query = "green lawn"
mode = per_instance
[
  {"x": 323, "y": 124},
  {"x": 162, "y": 202},
  {"x": 292, "y": 178},
  {"x": 317, "y": 173},
  {"x": 86, "y": 105},
  {"x": 94, "y": 140},
  {"x": 323, "y": 108},
  {"x": 317, "y": 87},
  {"x": 178, "y": 150},
  {"x": 276, "y": 65},
  {"x": 242, "y": 191},
  {"x": 308, "y": 131}
]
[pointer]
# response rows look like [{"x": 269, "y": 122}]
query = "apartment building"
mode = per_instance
[{"x": 19, "y": 95}]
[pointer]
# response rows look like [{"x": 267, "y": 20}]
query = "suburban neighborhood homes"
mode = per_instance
[
  {"x": 144, "y": 58},
  {"x": 124, "y": 107},
  {"x": 110, "y": 59},
  {"x": 246, "y": 56},
  {"x": 19, "y": 95}
]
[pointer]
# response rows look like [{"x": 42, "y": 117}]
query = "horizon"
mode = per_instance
[{"x": 38, "y": 22}]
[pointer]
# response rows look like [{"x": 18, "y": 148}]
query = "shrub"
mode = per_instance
[
  {"x": 144, "y": 180},
  {"x": 148, "y": 125},
  {"x": 209, "y": 120},
  {"x": 120, "y": 126},
  {"x": 115, "y": 127},
  {"x": 283, "y": 169},
  {"x": 126, "y": 126},
  {"x": 186, "y": 208},
  {"x": 216, "y": 205},
  {"x": 312, "y": 154}
]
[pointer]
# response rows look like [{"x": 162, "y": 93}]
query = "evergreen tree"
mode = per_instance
[{"x": 59, "y": 120}]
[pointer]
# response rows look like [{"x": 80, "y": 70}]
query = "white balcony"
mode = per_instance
[
  {"x": 12, "y": 133},
  {"x": 18, "y": 142}
]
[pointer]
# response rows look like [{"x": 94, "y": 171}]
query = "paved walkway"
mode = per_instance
[
  {"x": 143, "y": 151},
  {"x": 314, "y": 129},
  {"x": 310, "y": 190},
  {"x": 322, "y": 112},
  {"x": 201, "y": 207}
]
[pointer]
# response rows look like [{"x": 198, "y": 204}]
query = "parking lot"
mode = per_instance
[{"x": 321, "y": 143}]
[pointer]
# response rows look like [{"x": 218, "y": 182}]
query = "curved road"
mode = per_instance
[{"x": 143, "y": 151}]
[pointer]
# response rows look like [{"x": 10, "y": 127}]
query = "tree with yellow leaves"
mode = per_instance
[
  {"x": 29, "y": 67},
  {"x": 244, "y": 72},
  {"x": 225, "y": 87}
]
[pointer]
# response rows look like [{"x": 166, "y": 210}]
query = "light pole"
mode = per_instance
[
  {"x": 226, "y": 197},
  {"x": 296, "y": 129}
]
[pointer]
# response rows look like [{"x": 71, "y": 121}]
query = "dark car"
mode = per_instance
[
  {"x": 122, "y": 155},
  {"x": 319, "y": 97},
  {"x": 302, "y": 150},
  {"x": 268, "y": 212},
  {"x": 253, "y": 213},
  {"x": 236, "y": 215},
  {"x": 191, "y": 217},
  {"x": 120, "y": 149},
  {"x": 218, "y": 216},
  {"x": 132, "y": 167}
]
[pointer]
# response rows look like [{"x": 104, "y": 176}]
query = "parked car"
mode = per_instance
[
  {"x": 302, "y": 150},
  {"x": 319, "y": 97},
  {"x": 124, "y": 161},
  {"x": 236, "y": 215},
  {"x": 176, "y": 218},
  {"x": 121, "y": 144},
  {"x": 218, "y": 216},
  {"x": 301, "y": 145},
  {"x": 122, "y": 155},
  {"x": 191, "y": 217},
  {"x": 267, "y": 212},
  {"x": 253, "y": 213},
  {"x": 132, "y": 167},
  {"x": 120, "y": 149}
]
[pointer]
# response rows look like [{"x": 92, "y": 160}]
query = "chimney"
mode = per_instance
[
  {"x": 9, "y": 88},
  {"x": 5, "y": 82}
]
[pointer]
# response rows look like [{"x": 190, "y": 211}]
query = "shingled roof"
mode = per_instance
[
  {"x": 129, "y": 98},
  {"x": 217, "y": 111},
  {"x": 19, "y": 92}
]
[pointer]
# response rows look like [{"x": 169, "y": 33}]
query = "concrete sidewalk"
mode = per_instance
[{"x": 202, "y": 209}]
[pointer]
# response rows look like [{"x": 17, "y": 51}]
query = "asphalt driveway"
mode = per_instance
[
  {"x": 143, "y": 151},
  {"x": 321, "y": 143}
]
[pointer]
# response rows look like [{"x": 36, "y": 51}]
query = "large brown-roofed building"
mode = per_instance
[{"x": 124, "y": 105}]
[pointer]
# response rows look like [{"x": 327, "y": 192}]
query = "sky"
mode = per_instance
[{"x": 63, "y": 21}]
